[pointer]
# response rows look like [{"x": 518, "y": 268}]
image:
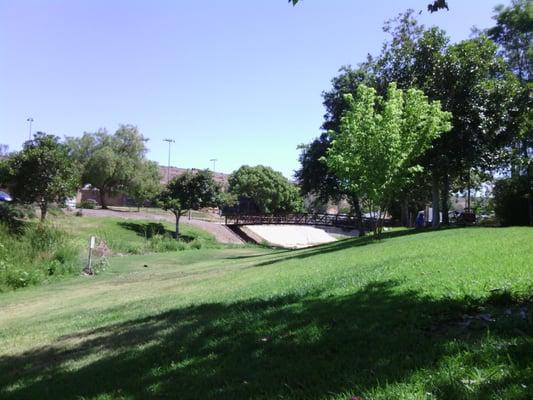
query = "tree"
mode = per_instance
[
  {"x": 314, "y": 177},
  {"x": 109, "y": 162},
  {"x": 514, "y": 35},
  {"x": 469, "y": 79},
  {"x": 145, "y": 184},
  {"x": 261, "y": 189},
  {"x": 189, "y": 191},
  {"x": 379, "y": 140},
  {"x": 42, "y": 172}
]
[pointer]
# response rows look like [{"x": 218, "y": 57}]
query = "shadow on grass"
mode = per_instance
[
  {"x": 149, "y": 229},
  {"x": 297, "y": 347}
]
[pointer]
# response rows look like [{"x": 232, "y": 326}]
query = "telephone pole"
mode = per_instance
[
  {"x": 214, "y": 161},
  {"x": 168, "y": 167}
]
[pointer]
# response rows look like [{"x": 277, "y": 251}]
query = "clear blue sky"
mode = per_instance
[{"x": 237, "y": 80}]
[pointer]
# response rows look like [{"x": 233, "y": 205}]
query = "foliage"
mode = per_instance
[
  {"x": 13, "y": 215},
  {"x": 39, "y": 253},
  {"x": 87, "y": 204},
  {"x": 379, "y": 139},
  {"x": 470, "y": 81},
  {"x": 261, "y": 189},
  {"x": 314, "y": 177},
  {"x": 145, "y": 184},
  {"x": 514, "y": 35},
  {"x": 42, "y": 172},
  {"x": 189, "y": 191},
  {"x": 446, "y": 313},
  {"x": 111, "y": 163},
  {"x": 511, "y": 200}
]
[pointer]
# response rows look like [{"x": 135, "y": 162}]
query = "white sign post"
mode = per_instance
[{"x": 92, "y": 243}]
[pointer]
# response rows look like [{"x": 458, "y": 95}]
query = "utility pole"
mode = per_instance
[
  {"x": 168, "y": 168},
  {"x": 30, "y": 120},
  {"x": 214, "y": 161}
]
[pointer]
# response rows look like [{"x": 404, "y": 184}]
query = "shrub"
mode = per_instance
[
  {"x": 510, "y": 201},
  {"x": 34, "y": 254},
  {"x": 87, "y": 204}
]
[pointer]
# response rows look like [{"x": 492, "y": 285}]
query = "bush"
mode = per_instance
[
  {"x": 87, "y": 204},
  {"x": 35, "y": 254},
  {"x": 12, "y": 215},
  {"x": 511, "y": 201}
]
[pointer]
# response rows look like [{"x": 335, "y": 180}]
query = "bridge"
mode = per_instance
[{"x": 335, "y": 220}]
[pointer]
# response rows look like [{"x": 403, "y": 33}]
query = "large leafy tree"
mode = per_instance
[
  {"x": 42, "y": 172},
  {"x": 110, "y": 163},
  {"x": 379, "y": 140},
  {"x": 261, "y": 189},
  {"x": 513, "y": 33},
  {"x": 469, "y": 79},
  {"x": 313, "y": 176},
  {"x": 189, "y": 191}
]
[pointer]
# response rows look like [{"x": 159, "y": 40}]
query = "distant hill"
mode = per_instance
[{"x": 175, "y": 171}]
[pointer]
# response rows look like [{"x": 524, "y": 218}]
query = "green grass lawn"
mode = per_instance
[
  {"x": 134, "y": 236},
  {"x": 418, "y": 315}
]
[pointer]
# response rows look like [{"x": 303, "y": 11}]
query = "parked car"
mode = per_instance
[{"x": 5, "y": 197}]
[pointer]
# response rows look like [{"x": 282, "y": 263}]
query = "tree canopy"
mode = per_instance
[
  {"x": 42, "y": 172},
  {"x": 189, "y": 191},
  {"x": 261, "y": 189},
  {"x": 111, "y": 163},
  {"x": 379, "y": 140}
]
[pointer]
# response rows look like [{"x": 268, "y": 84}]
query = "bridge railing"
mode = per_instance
[{"x": 338, "y": 220}]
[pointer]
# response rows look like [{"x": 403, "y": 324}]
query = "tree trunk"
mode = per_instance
[
  {"x": 445, "y": 197},
  {"x": 356, "y": 206},
  {"x": 178, "y": 215},
  {"x": 102, "y": 199},
  {"x": 435, "y": 200},
  {"x": 404, "y": 207},
  {"x": 44, "y": 210},
  {"x": 530, "y": 190}
]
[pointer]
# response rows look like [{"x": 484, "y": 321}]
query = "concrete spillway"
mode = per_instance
[{"x": 293, "y": 236}]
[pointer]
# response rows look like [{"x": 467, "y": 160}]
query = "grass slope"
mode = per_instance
[
  {"x": 433, "y": 315},
  {"x": 37, "y": 254},
  {"x": 132, "y": 236}
]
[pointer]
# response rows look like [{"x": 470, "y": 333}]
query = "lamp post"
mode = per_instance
[
  {"x": 168, "y": 168},
  {"x": 30, "y": 120},
  {"x": 214, "y": 161}
]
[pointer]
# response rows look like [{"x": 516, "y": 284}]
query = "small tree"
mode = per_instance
[
  {"x": 190, "y": 191},
  {"x": 378, "y": 141},
  {"x": 42, "y": 172},
  {"x": 145, "y": 184}
]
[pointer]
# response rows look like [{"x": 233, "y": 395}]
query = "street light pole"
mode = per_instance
[
  {"x": 168, "y": 168},
  {"x": 214, "y": 161},
  {"x": 30, "y": 120}
]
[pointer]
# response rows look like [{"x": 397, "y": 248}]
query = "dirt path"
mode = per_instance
[{"x": 218, "y": 230}]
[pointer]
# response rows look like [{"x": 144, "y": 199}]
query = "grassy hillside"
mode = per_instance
[
  {"x": 432, "y": 315},
  {"x": 37, "y": 253}
]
